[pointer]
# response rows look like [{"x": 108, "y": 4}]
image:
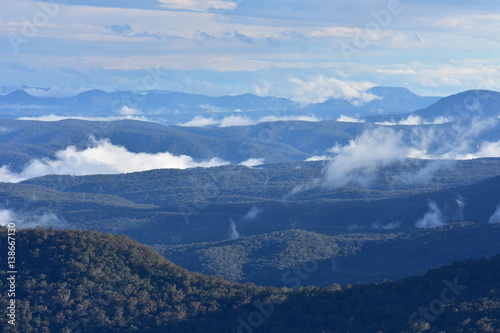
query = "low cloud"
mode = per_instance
[
  {"x": 235, "y": 120},
  {"x": 389, "y": 226},
  {"x": 320, "y": 88},
  {"x": 414, "y": 120},
  {"x": 200, "y": 121},
  {"x": 495, "y": 218},
  {"x": 252, "y": 214},
  {"x": 103, "y": 158},
  {"x": 128, "y": 111},
  {"x": 358, "y": 161},
  {"x": 232, "y": 121},
  {"x": 199, "y": 5},
  {"x": 347, "y": 119},
  {"x": 233, "y": 231},
  {"x": 432, "y": 219},
  {"x": 252, "y": 162},
  {"x": 44, "y": 219}
]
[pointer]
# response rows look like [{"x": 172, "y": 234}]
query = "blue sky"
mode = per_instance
[{"x": 304, "y": 50}]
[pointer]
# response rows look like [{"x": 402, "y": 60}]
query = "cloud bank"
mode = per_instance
[
  {"x": 432, "y": 219},
  {"x": 359, "y": 161},
  {"x": 236, "y": 120},
  {"x": 103, "y": 158}
]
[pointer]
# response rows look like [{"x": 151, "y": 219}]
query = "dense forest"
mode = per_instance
[{"x": 94, "y": 282}]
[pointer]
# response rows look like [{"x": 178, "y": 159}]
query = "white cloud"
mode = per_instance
[
  {"x": 4, "y": 130},
  {"x": 495, "y": 218},
  {"x": 252, "y": 162},
  {"x": 389, "y": 226},
  {"x": 319, "y": 158},
  {"x": 128, "y": 111},
  {"x": 268, "y": 119},
  {"x": 253, "y": 213},
  {"x": 6, "y": 217},
  {"x": 104, "y": 158},
  {"x": 44, "y": 219},
  {"x": 347, "y": 119},
  {"x": 232, "y": 121},
  {"x": 320, "y": 88},
  {"x": 199, "y": 5},
  {"x": 233, "y": 231},
  {"x": 486, "y": 149},
  {"x": 358, "y": 161},
  {"x": 200, "y": 121},
  {"x": 414, "y": 120},
  {"x": 432, "y": 219}
]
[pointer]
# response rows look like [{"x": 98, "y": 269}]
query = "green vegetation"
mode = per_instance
[
  {"x": 91, "y": 282},
  {"x": 346, "y": 259}
]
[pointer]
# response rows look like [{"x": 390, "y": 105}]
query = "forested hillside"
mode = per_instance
[{"x": 92, "y": 282}]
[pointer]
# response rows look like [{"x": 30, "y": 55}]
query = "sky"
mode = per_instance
[{"x": 303, "y": 50}]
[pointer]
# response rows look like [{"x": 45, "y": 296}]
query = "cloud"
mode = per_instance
[
  {"x": 495, "y": 218},
  {"x": 128, "y": 111},
  {"x": 320, "y": 88},
  {"x": 252, "y": 214},
  {"x": 4, "y": 130},
  {"x": 199, "y": 5},
  {"x": 432, "y": 219},
  {"x": 268, "y": 119},
  {"x": 44, "y": 219},
  {"x": 389, "y": 226},
  {"x": 460, "y": 208},
  {"x": 414, "y": 120},
  {"x": 252, "y": 162},
  {"x": 103, "y": 158},
  {"x": 233, "y": 231},
  {"x": 358, "y": 161},
  {"x": 319, "y": 158},
  {"x": 232, "y": 121},
  {"x": 347, "y": 119},
  {"x": 53, "y": 117},
  {"x": 200, "y": 121}
]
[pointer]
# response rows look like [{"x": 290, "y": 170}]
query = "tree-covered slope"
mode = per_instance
[{"x": 91, "y": 282}]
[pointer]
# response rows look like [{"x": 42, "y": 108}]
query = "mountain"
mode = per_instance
[
  {"x": 93, "y": 282},
  {"x": 346, "y": 259},
  {"x": 177, "y": 107},
  {"x": 88, "y": 282},
  {"x": 462, "y": 106}
]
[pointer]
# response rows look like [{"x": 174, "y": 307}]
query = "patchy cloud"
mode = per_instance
[
  {"x": 320, "y": 88},
  {"x": 414, "y": 120},
  {"x": 252, "y": 214},
  {"x": 432, "y": 219},
  {"x": 103, "y": 158},
  {"x": 495, "y": 218},
  {"x": 358, "y": 161},
  {"x": 234, "y": 120},
  {"x": 252, "y": 162},
  {"x": 347, "y": 119},
  {"x": 44, "y": 219}
]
